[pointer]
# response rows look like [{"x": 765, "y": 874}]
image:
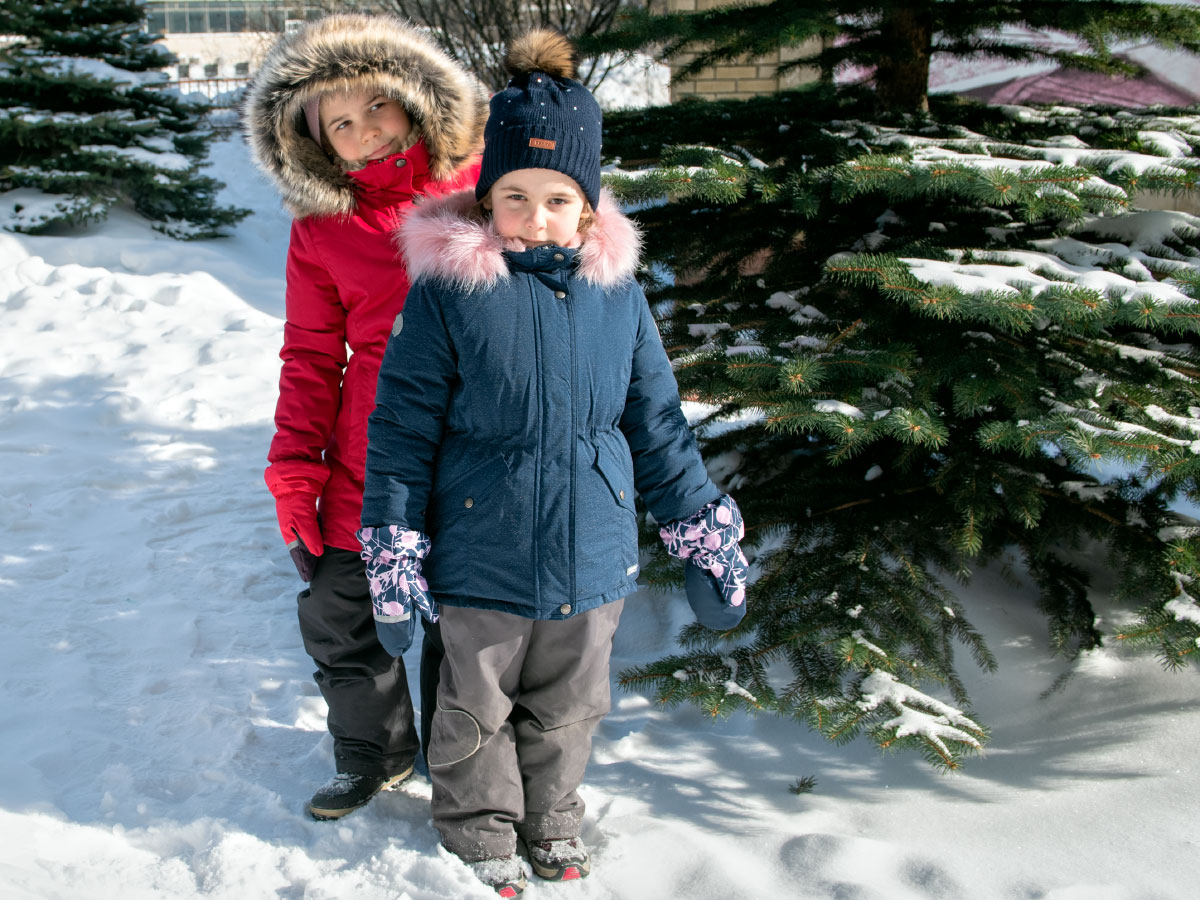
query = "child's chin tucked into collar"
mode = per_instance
[{"x": 517, "y": 245}]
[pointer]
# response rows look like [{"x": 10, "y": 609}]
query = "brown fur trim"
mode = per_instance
[
  {"x": 541, "y": 50},
  {"x": 348, "y": 52}
]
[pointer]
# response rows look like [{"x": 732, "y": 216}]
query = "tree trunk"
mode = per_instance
[{"x": 902, "y": 76}]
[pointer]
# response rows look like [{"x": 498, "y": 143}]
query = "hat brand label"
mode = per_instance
[{"x": 542, "y": 143}]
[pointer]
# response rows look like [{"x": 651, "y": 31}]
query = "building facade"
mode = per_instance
[
  {"x": 223, "y": 38},
  {"x": 741, "y": 78},
  {"x": 227, "y": 16}
]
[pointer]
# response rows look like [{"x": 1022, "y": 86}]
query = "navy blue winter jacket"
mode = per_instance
[{"x": 523, "y": 398}]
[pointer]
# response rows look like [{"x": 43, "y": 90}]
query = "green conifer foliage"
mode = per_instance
[
  {"x": 928, "y": 342},
  {"x": 83, "y": 130},
  {"x": 896, "y": 38}
]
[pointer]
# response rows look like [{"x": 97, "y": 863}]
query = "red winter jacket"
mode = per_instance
[
  {"x": 346, "y": 282},
  {"x": 345, "y": 277}
]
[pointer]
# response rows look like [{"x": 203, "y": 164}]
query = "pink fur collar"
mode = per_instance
[{"x": 437, "y": 239}]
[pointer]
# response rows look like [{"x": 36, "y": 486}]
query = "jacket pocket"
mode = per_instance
[
  {"x": 606, "y": 550},
  {"x": 467, "y": 486},
  {"x": 617, "y": 473},
  {"x": 481, "y": 522}
]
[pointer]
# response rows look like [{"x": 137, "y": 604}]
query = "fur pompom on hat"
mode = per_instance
[{"x": 544, "y": 119}]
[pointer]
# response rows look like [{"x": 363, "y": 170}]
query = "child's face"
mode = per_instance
[
  {"x": 537, "y": 206},
  {"x": 363, "y": 125}
]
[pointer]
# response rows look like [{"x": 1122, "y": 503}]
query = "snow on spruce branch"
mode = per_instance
[
  {"x": 1168, "y": 137},
  {"x": 1184, "y": 607},
  {"x": 97, "y": 69},
  {"x": 1121, "y": 431},
  {"x": 729, "y": 684},
  {"x": 29, "y": 116},
  {"x": 918, "y": 714},
  {"x": 732, "y": 688},
  {"x": 170, "y": 162},
  {"x": 1016, "y": 271}
]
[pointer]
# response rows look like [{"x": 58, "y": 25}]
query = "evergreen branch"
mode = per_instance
[{"x": 911, "y": 372}]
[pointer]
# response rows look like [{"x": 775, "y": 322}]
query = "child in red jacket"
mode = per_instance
[{"x": 356, "y": 118}]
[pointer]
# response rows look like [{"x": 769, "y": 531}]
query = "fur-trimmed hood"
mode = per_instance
[
  {"x": 440, "y": 240},
  {"x": 348, "y": 51}
]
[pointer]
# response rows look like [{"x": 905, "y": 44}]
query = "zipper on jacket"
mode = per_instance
[
  {"x": 566, "y": 301},
  {"x": 537, "y": 467}
]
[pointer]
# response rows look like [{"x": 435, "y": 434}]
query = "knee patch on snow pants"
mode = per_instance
[{"x": 553, "y": 674}]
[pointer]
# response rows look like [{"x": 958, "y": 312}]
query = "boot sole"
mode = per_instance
[
  {"x": 568, "y": 872},
  {"x": 328, "y": 815},
  {"x": 510, "y": 888}
]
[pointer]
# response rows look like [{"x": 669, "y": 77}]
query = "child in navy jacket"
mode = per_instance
[{"x": 524, "y": 398}]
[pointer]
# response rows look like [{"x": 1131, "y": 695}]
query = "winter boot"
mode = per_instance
[
  {"x": 504, "y": 873},
  {"x": 347, "y": 791},
  {"x": 565, "y": 859}
]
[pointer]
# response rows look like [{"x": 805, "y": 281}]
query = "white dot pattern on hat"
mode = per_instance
[{"x": 527, "y": 110}]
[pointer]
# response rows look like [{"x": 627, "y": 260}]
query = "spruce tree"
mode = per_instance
[
  {"x": 83, "y": 130},
  {"x": 897, "y": 38},
  {"x": 928, "y": 341}
]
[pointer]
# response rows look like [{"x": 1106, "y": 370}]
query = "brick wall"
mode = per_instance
[{"x": 739, "y": 79}]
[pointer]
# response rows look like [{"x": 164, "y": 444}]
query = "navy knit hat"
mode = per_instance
[{"x": 544, "y": 119}]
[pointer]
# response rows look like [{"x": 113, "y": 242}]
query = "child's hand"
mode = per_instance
[
  {"x": 397, "y": 636},
  {"x": 398, "y": 591},
  {"x": 717, "y": 568},
  {"x": 707, "y": 602},
  {"x": 297, "y": 515},
  {"x": 304, "y": 561}
]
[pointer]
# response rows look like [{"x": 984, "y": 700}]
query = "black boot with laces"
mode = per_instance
[{"x": 347, "y": 791}]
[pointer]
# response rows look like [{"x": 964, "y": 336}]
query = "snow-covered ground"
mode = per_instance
[{"x": 161, "y": 732}]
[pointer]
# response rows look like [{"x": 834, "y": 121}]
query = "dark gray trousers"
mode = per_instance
[
  {"x": 370, "y": 710},
  {"x": 518, "y": 702}
]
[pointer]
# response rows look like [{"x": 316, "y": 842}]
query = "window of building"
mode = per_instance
[
  {"x": 185, "y": 71},
  {"x": 221, "y": 16},
  {"x": 242, "y": 68},
  {"x": 256, "y": 18},
  {"x": 210, "y": 70}
]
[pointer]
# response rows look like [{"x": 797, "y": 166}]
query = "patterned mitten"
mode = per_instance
[
  {"x": 715, "y": 579},
  {"x": 393, "y": 556}
]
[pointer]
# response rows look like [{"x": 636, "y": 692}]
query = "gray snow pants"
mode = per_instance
[
  {"x": 517, "y": 705},
  {"x": 370, "y": 710}
]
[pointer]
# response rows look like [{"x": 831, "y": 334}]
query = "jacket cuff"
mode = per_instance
[
  {"x": 290, "y": 475},
  {"x": 385, "y": 544}
]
